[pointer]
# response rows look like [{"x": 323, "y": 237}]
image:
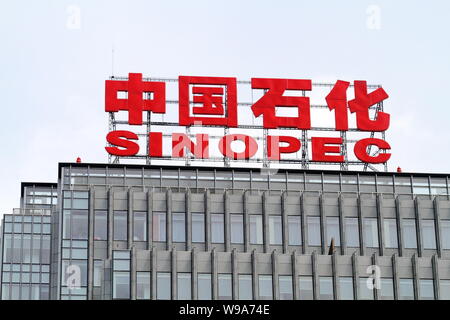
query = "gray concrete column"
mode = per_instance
[
  {"x": 284, "y": 222},
  {"x": 343, "y": 244},
  {"x": 418, "y": 227},
  {"x": 437, "y": 225},
  {"x": 174, "y": 273},
  {"x": 265, "y": 222},
  {"x": 399, "y": 226},
  {"x": 360, "y": 227},
  {"x": 376, "y": 294},
  {"x": 130, "y": 216},
  {"x": 133, "y": 263},
  {"x": 227, "y": 224},
  {"x": 415, "y": 269},
  {"x": 110, "y": 221},
  {"x": 275, "y": 285},
  {"x": 246, "y": 220},
  {"x": 214, "y": 274},
  {"x": 169, "y": 219},
  {"x": 323, "y": 239},
  {"x": 336, "y": 285},
  {"x": 315, "y": 275},
  {"x": 355, "y": 273},
  {"x": 395, "y": 277},
  {"x": 194, "y": 272},
  {"x": 91, "y": 219},
  {"x": 295, "y": 279},
  {"x": 154, "y": 271},
  {"x": 381, "y": 244},
  {"x": 234, "y": 277},
  {"x": 149, "y": 220},
  {"x": 304, "y": 224},
  {"x": 255, "y": 279},
  {"x": 436, "y": 278},
  {"x": 207, "y": 220},
  {"x": 188, "y": 219}
]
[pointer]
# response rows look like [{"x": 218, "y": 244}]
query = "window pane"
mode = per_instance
[
  {"x": 184, "y": 286},
  {"x": 406, "y": 289},
  {"x": 305, "y": 284},
  {"x": 387, "y": 289},
  {"x": 409, "y": 233},
  {"x": 121, "y": 286},
  {"x": 313, "y": 231},
  {"x": 275, "y": 230},
  {"x": 237, "y": 228},
  {"x": 178, "y": 227},
  {"x": 365, "y": 293},
  {"x": 346, "y": 288},
  {"x": 429, "y": 237},
  {"x": 224, "y": 283},
  {"x": 390, "y": 233},
  {"x": 444, "y": 286},
  {"x": 120, "y": 225},
  {"x": 285, "y": 285},
  {"x": 426, "y": 289},
  {"x": 325, "y": 288},
  {"x": 295, "y": 230},
  {"x": 140, "y": 226},
  {"x": 332, "y": 228},
  {"x": 204, "y": 286},
  {"x": 198, "y": 227},
  {"x": 351, "y": 232},
  {"x": 217, "y": 228},
  {"x": 256, "y": 236},
  {"x": 163, "y": 286},
  {"x": 159, "y": 226},
  {"x": 98, "y": 272},
  {"x": 445, "y": 234},
  {"x": 245, "y": 287},
  {"x": 265, "y": 287},
  {"x": 371, "y": 232},
  {"x": 79, "y": 224}
]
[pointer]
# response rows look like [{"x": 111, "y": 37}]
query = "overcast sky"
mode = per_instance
[{"x": 55, "y": 56}]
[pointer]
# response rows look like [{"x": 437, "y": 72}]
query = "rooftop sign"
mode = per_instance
[{"x": 200, "y": 119}]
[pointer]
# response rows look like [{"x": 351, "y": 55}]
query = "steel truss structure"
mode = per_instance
[{"x": 301, "y": 162}]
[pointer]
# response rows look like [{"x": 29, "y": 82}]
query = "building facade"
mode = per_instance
[{"x": 112, "y": 231}]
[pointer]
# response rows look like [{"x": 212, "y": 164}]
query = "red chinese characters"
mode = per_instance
[
  {"x": 337, "y": 101},
  {"x": 274, "y": 98},
  {"x": 214, "y": 101},
  {"x": 137, "y": 100}
]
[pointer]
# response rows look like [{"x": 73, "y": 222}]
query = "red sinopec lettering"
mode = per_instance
[
  {"x": 181, "y": 141},
  {"x": 121, "y": 138},
  {"x": 360, "y": 150},
  {"x": 274, "y": 149},
  {"x": 250, "y": 146},
  {"x": 323, "y": 145}
]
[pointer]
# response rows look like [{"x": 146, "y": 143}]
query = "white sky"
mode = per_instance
[{"x": 53, "y": 67}]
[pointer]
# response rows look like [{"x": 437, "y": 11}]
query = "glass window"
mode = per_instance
[
  {"x": 351, "y": 232},
  {"x": 100, "y": 225},
  {"x": 78, "y": 224},
  {"x": 265, "y": 287},
  {"x": 256, "y": 232},
  {"x": 198, "y": 227},
  {"x": 98, "y": 272},
  {"x": 325, "y": 288},
  {"x": 445, "y": 234},
  {"x": 5, "y": 292},
  {"x": 426, "y": 289},
  {"x": 371, "y": 232},
  {"x": 140, "y": 226},
  {"x": 121, "y": 285},
  {"x": 204, "y": 286},
  {"x": 275, "y": 230},
  {"x": 184, "y": 286},
  {"x": 217, "y": 228},
  {"x": 237, "y": 228},
  {"x": 346, "y": 288},
  {"x": 18, "y": 228},
  {"x": 409, "y": 233},
  {"x": 295, "y": 230},
  {"x": 332, "y": 229},
  {"x": 365, "y": 293},
  {"x": 159, "y": 226},
  {"x": 120, "y": 225},
  {"x": 163, "y": 290},
  {"x": 305, "y": 284},
  {"x": 390, "y": 233},
  {"x": 224, "y": 286},
  {"x": 245, "y": 287},
  {"x": 428, "y": 234},
  {"x": 285, "y": 285},
  {"x": 406, "y": 289},
  {"x": 387, "y": 289},
  {"x": 444, "y": 286},
  {"x": 178, "y": 227},
  {"x": 36, "y": 242},
  {"x": 313, "y": 231}
]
